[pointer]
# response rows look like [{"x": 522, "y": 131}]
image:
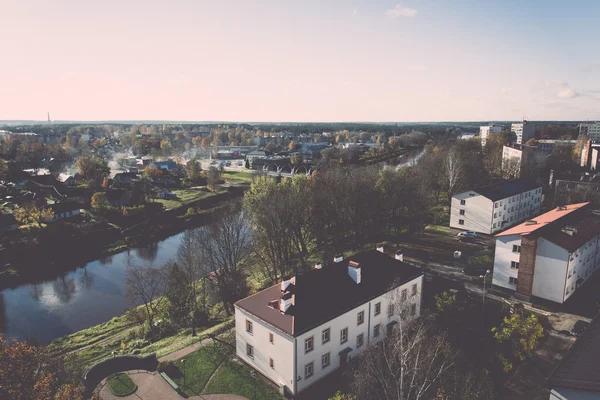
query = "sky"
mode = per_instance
[{"x": 300, "y": 60}]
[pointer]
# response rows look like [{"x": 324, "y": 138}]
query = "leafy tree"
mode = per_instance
[
  {"x": 212, "y": 177},
  {"x": 32, "y": 214},
  {"x": 193, "y": 169},
  {"x": 3, "y": 170},
  {"x": 342, "y": 396},
  {"x": 166, "y": 147},
  {"x": 446, "y": 302},
  {"x": 293, "y": 146},
  {"x": 99, "y": 201},
  {"x": 92, "y": 167},
  {"x": 519, "y": 336},
  {"x": 152, "y": 172}
]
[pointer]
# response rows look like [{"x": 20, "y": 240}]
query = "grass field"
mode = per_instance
[
  {"x": 233, "y": 177},
  {"x": 121, "y": 385},
  {"x": 184, "y": 197}
]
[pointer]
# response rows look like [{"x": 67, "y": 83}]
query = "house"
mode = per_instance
[
  {"x": 577, "y": 377},
  {"x": 8, "y": 223},
  {"x": 165, "y": 165},
  {"x": 124, "y": 179},
  {"x": 66, "y": 209},
  {"x": 66, "y": 179},
  {"x": 119, "y": 197},
  {"x": 297, "y": 332},
  {"x": 549, "y": 256},
  {"x": 492, "y": 208}
]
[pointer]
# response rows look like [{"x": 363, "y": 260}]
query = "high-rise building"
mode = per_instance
[
  {"x": 484, "y": 131},
  {"x": 592, "y": 130},
  {"x": 523, "y": 131}
]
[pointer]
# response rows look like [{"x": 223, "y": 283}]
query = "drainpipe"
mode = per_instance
[
  {"x": 295, "y": 366},
  {"x": 369, "y": 325}
]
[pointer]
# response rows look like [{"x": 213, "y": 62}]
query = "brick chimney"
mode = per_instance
[
  {"x": 399, "y": 256},
  {"x": 354, "y": 271}
]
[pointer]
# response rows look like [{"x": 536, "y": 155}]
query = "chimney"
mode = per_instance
[
  {"x": 354, "y": 271},
  {"x": 531, "y": 222},
  {"x": 380, "y": 248},
  {"x": 287, "y": 299},
  {"x": 338, "y": 259},
  {"x": 318, "y": 266},
  {"x": 399, "y": 256},
  {"x": 570, "y": 230},
  {"x": 285, "y": 283}
]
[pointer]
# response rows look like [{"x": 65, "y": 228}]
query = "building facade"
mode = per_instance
[
  {"x": 516, "y": 158},
  {"x": 550, "y": 256},
  {"x": 493, "y": 208},
  {"x": 592, "y": 130},
  {"x": 523, "y": 131},
  {"x": 298, "y": 332},
  {"x": 484, "y": 132}
]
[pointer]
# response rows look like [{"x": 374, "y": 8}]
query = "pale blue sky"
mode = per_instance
[{"x": 302, "y": 60}]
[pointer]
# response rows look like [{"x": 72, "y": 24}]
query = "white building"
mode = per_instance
[
  {"x": 297, "y": 332},
  {"x": 549, "y": 256},
  {"x": 484, "y": 131},
  {"x": 491, "y": 209},
  {"x": 523, "y": 131},
  {"x": 592, "y": 130},
  {"x": 548, "y": 145}
]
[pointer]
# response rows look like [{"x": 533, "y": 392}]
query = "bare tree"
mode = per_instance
[
  {"x": 453, "y": 171},
  {"x": 145, "y": 286},
  {"x": 190, "y": 264},
  {"x": 223, "y": 248}
]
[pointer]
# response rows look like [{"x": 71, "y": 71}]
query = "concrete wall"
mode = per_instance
[
  {"x": 550, "y": 271},
  {"x": 281, "y": 350},
  {"x": 503, "y": 257},
  {"x": 478, "y": 212}
]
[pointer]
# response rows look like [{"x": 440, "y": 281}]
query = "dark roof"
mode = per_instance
[
  {"x": 65, "y": 206},
  {"x": 323, "y": 294},
  {"x": 580, "y": 368},
  {"x": 7, "y": 220},
  {"x": 586, "y": 224},
  {"x": 130, "y": 175},
  {"x": 583, "y": 177},
  {"x": 504, "y": 189},
  {"x": 47, "y": 180}
]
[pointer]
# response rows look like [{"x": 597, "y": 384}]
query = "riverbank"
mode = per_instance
[{"x": 44, "y": 254}]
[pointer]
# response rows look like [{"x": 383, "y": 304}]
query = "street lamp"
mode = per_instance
[
  {"x": 183, "y": 362},
  {"x": 483, "y": 297}
]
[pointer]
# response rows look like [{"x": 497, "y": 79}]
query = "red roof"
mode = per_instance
[{"x": 538, "y": 222}]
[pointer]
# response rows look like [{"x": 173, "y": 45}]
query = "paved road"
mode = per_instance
[{"x": 151, "y": 386}]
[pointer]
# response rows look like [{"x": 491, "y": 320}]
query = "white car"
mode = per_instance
[{"x": 467, "y": 234}]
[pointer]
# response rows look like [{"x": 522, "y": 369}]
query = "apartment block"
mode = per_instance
[
  {"x": 523, "y": 131},
  {"x": 486, "y": 130}
]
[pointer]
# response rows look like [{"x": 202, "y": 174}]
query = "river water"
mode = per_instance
[{"x": 82, "y": 298}]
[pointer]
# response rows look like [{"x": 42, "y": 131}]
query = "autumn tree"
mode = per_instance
[
  {"x": 453, "y": 170},
  {"x": 32, "y": 214},
  {"x": 152, "y": 171},
  {"x": 99, "y": 201},
  {"x": 105, "y": 184},
  {"x": 192, "y": 169},
  {"x": 92, "y": 167},
  {"x": 212, "y": 177},
  {"x": 145, "y": 286},
  {"x": 518, "y": 336},
  {"x": 166, "y": 147},
  {"x": 293, "y": 146}
]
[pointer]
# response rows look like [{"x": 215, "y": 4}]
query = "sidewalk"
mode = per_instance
[{"x": 186, "y": 350}]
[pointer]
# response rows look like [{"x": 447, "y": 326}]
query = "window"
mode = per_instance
[
  {"x": 308, "y": 370},
  {"x": 462, "y": 212},
  {"x": 496, "y": 205},
  {"x": 413, "y": 309},
  {"x": 390, "y": 310},
  {"x": 325, "y": 360},
  {"x": 271, "y": 363},
  {"x": 463, "y": 202},
  {"x": 512, "y": 281},
  {"x": 271, "y": 338},
  {"x": 308, "y": 344},
  {"x": 343, "y": 335},
  {"x": 376, "y": 330},
  {"x": 360, "y": 340},
  {"x": 514, "y": 264},
  {"x": 516, "y": 249},
  {"x": 414, "y": 290},
  {"x": 403, "y": 295},
  {"x": 495, "y": 215},
  {"x": 378, "y": 308},
  {"x": 325, "y": 336},
  {"x": 494, "y": 224},
  {"x": 461, "y": 221},
  {"x": 250, "y": 351},
  {"x": 360, "y": 318},
  {"x": 249, "y": 326}
]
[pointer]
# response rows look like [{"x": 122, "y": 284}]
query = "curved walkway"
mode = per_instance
[{"x": 151, "y": 386}]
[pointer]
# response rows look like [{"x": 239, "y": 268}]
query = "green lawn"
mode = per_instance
[
  {"x": 234, "y": 378},
  {"x": 121, "y": 385},
  {"x": 232, "y": 176},
  {"x": 184, "y": 197},
  {"x": 199, "y": 367}
]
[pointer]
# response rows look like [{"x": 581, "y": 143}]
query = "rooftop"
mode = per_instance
[
  {"x": 573, "y": 231},
  {"x": 504, "y": 189},
  {"x": 540, "y": 221},
  {"x": 580, "y": 368},
  {"x": 323, "y": 294}
]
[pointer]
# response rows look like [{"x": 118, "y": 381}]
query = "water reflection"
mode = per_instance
[
  {"x": 148, "y": 253},
  {"x": 86, "y": 279},
  {"x": 64, "y": 288},
  {"x": 36, "y": 291},
  {"x": 2, "y": 314}
]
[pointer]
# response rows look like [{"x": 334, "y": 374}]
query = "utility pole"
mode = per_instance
[{"x": 483, "y": 297}]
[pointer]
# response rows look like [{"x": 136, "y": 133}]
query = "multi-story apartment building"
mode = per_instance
[
  {"x": 549, "y": 256},
  {"x": 548, "y": 145},
  {"x": 576, "y": 188},
  {"x": 297, "y": 332},
  {"x": 591, "y": 129},
  {"x": 491, "y": 209},
  {"x": 522, "y": 131},
  {"x": 484, "y": 132},
  {"x": 517, "y": 158}
]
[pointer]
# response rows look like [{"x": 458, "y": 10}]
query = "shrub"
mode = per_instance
[{"x": 169, "y": 368}]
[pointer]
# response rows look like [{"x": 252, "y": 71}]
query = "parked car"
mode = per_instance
[
  {"x": 579, "y": 327},
  {"x": 467, "y": 234},
  {"x": 239, "y": 163},
  {"x": 228, "y": 163}
]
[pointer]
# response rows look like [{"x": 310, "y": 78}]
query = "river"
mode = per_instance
[{"x": 82, "y": 298}]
